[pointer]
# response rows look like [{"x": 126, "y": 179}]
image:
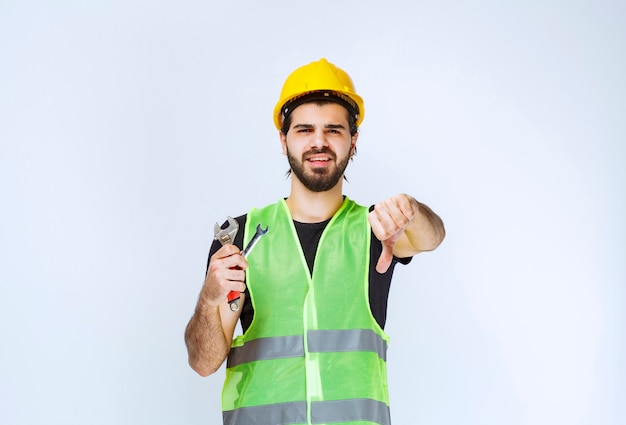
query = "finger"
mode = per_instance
[
  {"x": 395, "y": 214},
  {"x": 375, "y": 224},
  {"x": 384, "y": 261},
  {"x": 234, "y": 260},
  {"x": 230, "y": 269},
  {"x": 235, "y": 286},
  {"x": 398, "y": 212},
  {"x": 234, "y": 275},
  {"x": 226, "y": 251},
  {"x": 408, "y": 206},
  {"x": 382, "y": 224}
]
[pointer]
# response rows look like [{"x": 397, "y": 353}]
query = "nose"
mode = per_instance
[{"x": 318, "y": 138}]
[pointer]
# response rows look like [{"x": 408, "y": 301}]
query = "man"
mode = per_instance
[{"x": 313, "y": 349}]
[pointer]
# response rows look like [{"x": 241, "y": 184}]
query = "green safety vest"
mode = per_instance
[{"x": 314, "y": 353}]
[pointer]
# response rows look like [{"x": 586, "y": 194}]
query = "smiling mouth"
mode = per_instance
[
  {"x": 318, "y": 160},
  {"x": 319, "y": 157}
]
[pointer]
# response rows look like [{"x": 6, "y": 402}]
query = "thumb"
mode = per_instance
[{"x": 384, "y": 261}]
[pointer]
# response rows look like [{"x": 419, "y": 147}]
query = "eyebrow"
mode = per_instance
[{"x": 338, "y": 126}]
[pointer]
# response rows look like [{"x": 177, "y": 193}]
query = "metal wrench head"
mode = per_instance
[
  {"x": 227, "y": 235},
  {"x": 259, "y": 232}
]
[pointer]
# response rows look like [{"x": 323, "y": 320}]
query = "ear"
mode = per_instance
[
  {"x": 353, "y": 143},
  {"x": 283, "y": 142}
]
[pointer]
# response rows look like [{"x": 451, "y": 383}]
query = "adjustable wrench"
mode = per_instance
[{"x": 228, "y": 236}]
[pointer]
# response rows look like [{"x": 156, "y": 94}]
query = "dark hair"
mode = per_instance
[{"x": 290, "y": 106}]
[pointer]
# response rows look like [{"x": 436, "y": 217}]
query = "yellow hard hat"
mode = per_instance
[{"x": 318, "y": 80}]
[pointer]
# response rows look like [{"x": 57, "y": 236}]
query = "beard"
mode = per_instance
[{"x": 318, "y": 179}]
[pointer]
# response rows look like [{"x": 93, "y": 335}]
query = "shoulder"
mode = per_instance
[{"x": 241, "y": 220}]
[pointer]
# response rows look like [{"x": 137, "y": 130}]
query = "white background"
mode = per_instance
[{"x": 127, "y": 128}]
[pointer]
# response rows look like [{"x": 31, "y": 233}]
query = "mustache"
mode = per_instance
[{"x": 316, "y": 151}]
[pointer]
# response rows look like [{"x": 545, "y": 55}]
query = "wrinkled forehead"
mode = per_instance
[{"x": 318, "y": 111}]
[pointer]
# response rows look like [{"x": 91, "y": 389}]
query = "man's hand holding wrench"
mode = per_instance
[{"x": 226, "y": 237}]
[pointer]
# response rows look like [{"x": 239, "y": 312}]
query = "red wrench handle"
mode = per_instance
[{"x": 233, "y": 300}]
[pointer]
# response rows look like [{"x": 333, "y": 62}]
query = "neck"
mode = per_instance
[{"x": 306, "y": 206}]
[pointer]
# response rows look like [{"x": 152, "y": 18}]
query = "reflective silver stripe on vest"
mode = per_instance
[
  {"x": 363, "y": 409},
  {"x": 347, "y": 340},
  {"x": 322, "y": 412},
  {"x": 275, "y": 414},
  {"x": 282, "y": 347}
]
